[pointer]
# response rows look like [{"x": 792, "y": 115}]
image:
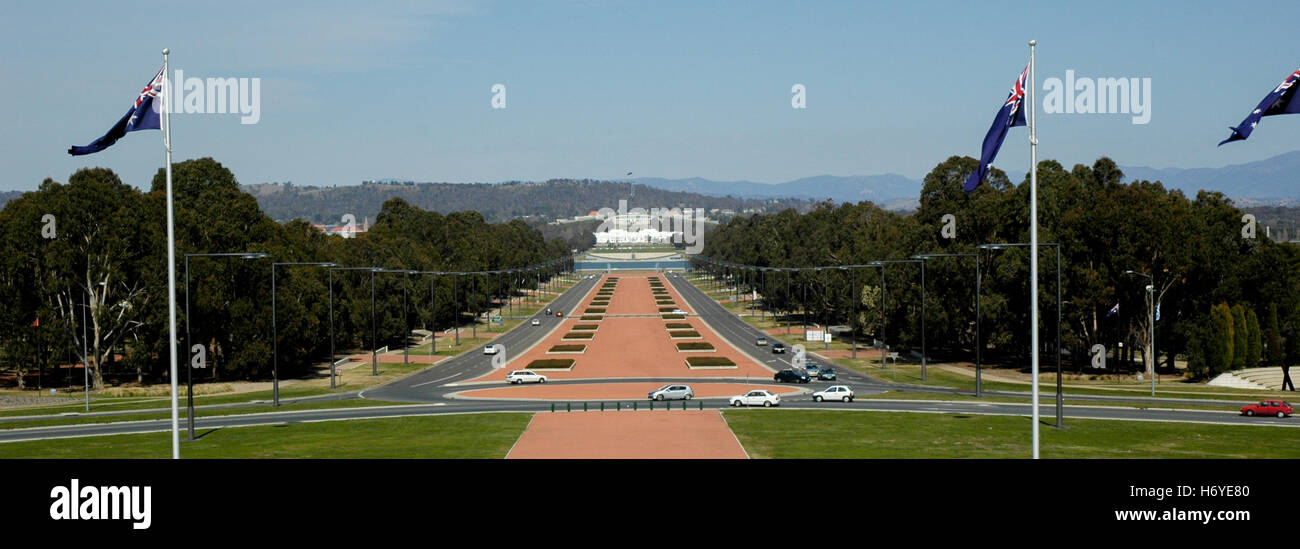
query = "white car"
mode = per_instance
[
  {"x": 491, "y": 349},
  {"x": 537, "y": 322},
  {"x": 757, "y": 397},
  {"x": 525, "y": 376},
  {"x": 678, "y": 312},
  {"x": 834, "y": 392}
]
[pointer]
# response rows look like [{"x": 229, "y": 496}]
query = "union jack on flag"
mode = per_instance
[
  {"x": 140, "y": 116},
  {"x": 1279, "y": 101},
  {"x": 1012, "y": 114}
]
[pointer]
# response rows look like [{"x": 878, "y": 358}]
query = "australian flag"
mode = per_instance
[
  {"x": 1277, "y": 102},
  {"x": 141, "y": 116},
  {"x": 1011, "y": 114}
]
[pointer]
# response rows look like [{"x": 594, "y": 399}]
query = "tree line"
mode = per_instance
[
  {"x": 1200, "y": 253},
  {"x": 95, "y": 246}
]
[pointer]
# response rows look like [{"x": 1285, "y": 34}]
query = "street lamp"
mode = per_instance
[
  {"x": 189, "y": 372},
  {"x": 275, "y": 334},
  {"x": 923, "y": 258},
  {"x": 883, "y": 322},
  {"x": 1151, "y": 322},
  {"x": 1059, "y": 396},
  {"x": 374, "y": 356}
]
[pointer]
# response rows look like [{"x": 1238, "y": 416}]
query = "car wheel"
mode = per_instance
[
  {"x": 515, "y": 382},
  {"x": 846, "y": 399},
  {"x": 817, "y": 398},
  {"x": 659, "y": 396},
  {"x": 735, "y": 404},
  {"x": 1250, "y": 412},
  {"x": 541, "y": 380},
  {"x": 688, "y": 397},
  {"x": 1280, "y": 414},
  {"x": 767, "y": 404}
]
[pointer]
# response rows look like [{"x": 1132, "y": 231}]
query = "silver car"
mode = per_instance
[{"x": 672, "y": 392}]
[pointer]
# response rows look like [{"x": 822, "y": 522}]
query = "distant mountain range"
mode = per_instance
[
  {"x": 890, "y": 191},
  {"x": 1273, "y": 180}
]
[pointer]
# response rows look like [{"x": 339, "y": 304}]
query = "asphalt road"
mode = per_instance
[{"x": 433, "y": 391}]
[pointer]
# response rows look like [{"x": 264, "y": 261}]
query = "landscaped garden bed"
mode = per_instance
[
  {"x": 565, "y": 364},
  {"x": 695, "y": 346},
  {"x": 709, "y": 363},
  {"x": 566, "y": 350},
  {"x": 585, "y": 327},
  {"x": 579, "y": 335},
  {"x": 679, "y": 326},
  {"x": 595, "y": 310},
  {"x": 673, "y": 317},
  {"x": 590, "y": 318},
  {"x": 683, "y": 334}
]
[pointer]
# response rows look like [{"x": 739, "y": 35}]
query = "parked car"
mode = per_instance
[
  {"x": 1279, "y": 408},
  {"x": 790, "y": 376},
  {"x": 757, "y": 397},
  {"x": 525, "y": 376},
  {"x": 778, "y": 348},
  {"x": 672, "y": 392},
  {"x": 762, "y": 341},
  {"x": 835, "y": 392},
  {"x": 827, "y": 374},
  {"x": 491, "y": 349},
  {"x": 537, "y": 322}
]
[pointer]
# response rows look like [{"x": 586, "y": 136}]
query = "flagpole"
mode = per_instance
[
  {"x": 171, "y": 257},
  {"x": 1033, "y": 238}
]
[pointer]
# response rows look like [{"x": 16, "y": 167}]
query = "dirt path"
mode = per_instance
[{"x": 674, "y": 434}]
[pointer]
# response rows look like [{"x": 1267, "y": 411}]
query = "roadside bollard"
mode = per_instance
[
  {"x": 584, "y": 406},
  {"x": 552, "y": 407},
  {"x": 634, "y": 404},
  {"x": 652, "y": 405},
  {"x": 568, "y": 406},
  {"x": 701, "y": 404},
  {"x": 602, "y": 406}
]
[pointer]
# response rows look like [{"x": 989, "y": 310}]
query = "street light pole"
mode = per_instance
[
  {"x": 275, "y": 336},
  {"x": 1151, "y": 323},
  {"x": 189, "y": 370},
  {"x": 924, "y": 354}
]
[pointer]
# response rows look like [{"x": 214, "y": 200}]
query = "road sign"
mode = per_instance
[{"x": 814, "y": 335}]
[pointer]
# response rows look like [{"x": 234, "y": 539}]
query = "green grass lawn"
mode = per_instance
[
  {"x": 255, "y": 409},
  {"x": 461, "y": 436},
  {"x": 807, "y": 434}
]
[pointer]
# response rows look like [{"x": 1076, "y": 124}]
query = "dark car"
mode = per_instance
[
  {"x": 827, "y": 374},
  {"x": 1279, "y": 408},
  {"x": 778, "y": 348},
  {"x": 790, "y": 376},
  {"x": 548, "y": 311}
]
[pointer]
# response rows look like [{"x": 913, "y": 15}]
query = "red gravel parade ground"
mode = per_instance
[{"x": 631, "y": 341}]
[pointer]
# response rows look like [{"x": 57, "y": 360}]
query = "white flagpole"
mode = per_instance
[
  {"x": 1033, "y": 237},
  {"x": 171, "y": 257}
]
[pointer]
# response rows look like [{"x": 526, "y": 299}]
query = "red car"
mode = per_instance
[{"x": 1279, "y": 408}]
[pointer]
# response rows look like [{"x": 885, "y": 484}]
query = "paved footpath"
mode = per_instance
[{"x": 659, "y": 434}]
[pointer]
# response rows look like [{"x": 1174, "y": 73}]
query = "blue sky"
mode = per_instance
[{"x": 596, "y": 89}]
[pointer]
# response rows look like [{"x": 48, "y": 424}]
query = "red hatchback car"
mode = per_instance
[{"x": 1279, "y": 408}]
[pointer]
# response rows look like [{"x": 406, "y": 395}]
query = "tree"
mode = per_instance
[
  {"x": 1239, "y": 337},
  {"x": 1253, "y": 346},
  {"x": 1218, "y": 340},
  {"x": 1274, "y": 352}
]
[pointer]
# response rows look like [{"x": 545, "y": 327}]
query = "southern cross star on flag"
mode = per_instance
[
  {"x": 1279, "y": 101},
  {"x": 1011, "y": 114},
  {"x": 141, "y": 116}
]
